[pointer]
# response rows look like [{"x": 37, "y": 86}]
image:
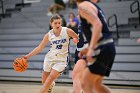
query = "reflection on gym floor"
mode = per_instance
[{"x": 31, "y": 87}]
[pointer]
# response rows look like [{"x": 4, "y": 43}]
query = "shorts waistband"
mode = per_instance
[{"x": 105, "y": 41}]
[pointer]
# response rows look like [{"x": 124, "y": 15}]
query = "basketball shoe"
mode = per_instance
[{"x": 51, "y": 87}]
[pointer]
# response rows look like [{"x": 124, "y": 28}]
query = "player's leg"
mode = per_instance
[
  {"x": 47, "y": 69},
  {"x": 44, "y": 76},
  {"x": 76, "y": 75},
  {"x": 87, "y": 81},
  {"x": 51, "y": 87},
  {"x": 105, "y": 61},
  {"x": 92, "y": 83},
  {"x": 100, "y": 87},
  {"x": 101, "y": 66},
  {"x": 52, "y": 76},
  {"x": 55, "y": 72}
]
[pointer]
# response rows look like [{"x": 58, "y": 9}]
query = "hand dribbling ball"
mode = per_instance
[{"x": 20, "y": 64}]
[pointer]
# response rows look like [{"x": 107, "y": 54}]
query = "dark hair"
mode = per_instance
[
  {"x": 72, "y": 14},
  {"x": 55, "y": 16}
]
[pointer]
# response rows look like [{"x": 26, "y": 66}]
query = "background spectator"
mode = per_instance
[
  {"x": 72, "y": 22},
  {"x": 58, "y": 5},
  {"x": 72, "y": 4}
]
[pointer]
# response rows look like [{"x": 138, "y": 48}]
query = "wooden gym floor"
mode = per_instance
[{"x": 31, "y": 87}]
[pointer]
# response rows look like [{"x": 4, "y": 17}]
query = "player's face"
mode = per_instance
[
  {"x": 71, "y": 16},
  {"x": 56, "y": 24}
]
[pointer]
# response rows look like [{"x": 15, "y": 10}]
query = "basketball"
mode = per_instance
[{"x": 20, "y": 64}]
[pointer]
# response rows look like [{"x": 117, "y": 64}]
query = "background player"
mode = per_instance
[
  {"x": 56, "y": 59},
  {"x": 79, "y": 66}
]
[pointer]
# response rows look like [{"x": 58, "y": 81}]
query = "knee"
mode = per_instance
[
  {"x": 97, "y": 83},
  {"x": 79, "y": 66},
  {"x": 86, "y": 86}
]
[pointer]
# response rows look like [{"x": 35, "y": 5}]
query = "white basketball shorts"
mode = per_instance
[{"x": 58, "y": 66}]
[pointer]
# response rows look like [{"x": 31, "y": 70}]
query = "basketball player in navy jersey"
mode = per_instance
[
  {"x": 55, "y": 60},
  {"x": 101, "y": 52}
]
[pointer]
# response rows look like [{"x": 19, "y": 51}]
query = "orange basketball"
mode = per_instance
[{"x": 20, "y": 64}]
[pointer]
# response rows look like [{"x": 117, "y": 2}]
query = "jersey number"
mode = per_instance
[{"x": 59, "y": 46}]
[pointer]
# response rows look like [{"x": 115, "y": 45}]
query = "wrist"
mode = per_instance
[
  {"x": 25, "y": 57},
  {"x": 90, "y": 48}
]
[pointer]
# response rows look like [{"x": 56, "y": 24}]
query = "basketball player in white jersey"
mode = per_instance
[{"x": 55, "y": 60}]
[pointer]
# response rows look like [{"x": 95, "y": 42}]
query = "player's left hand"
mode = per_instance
[
  {"x": 75, "y": 40},
  {"x": 24, "y": 57},
  {"x": 83, "y": 52}
]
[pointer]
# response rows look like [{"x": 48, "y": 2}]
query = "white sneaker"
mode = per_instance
[{"x": 51, "y": 87}]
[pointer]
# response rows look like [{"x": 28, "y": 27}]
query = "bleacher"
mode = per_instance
[{"x": 23, "y": 30}]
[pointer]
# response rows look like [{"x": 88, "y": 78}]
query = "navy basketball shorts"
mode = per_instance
[{"x": 103, "y": 63}]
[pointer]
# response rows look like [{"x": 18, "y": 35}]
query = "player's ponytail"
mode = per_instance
[{"x": 54, "y": 17}]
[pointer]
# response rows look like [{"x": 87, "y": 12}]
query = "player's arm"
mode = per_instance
[
  {"x": 91, "y": 15},
  {"x": 39, "y": 47},
  {"x": 72, "y": 34}
]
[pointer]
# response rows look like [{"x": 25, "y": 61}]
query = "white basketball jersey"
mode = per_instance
[{"x": 59, "y": 46}]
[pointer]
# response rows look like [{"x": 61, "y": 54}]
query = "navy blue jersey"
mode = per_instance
[{"x": 86, "y": 27}]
